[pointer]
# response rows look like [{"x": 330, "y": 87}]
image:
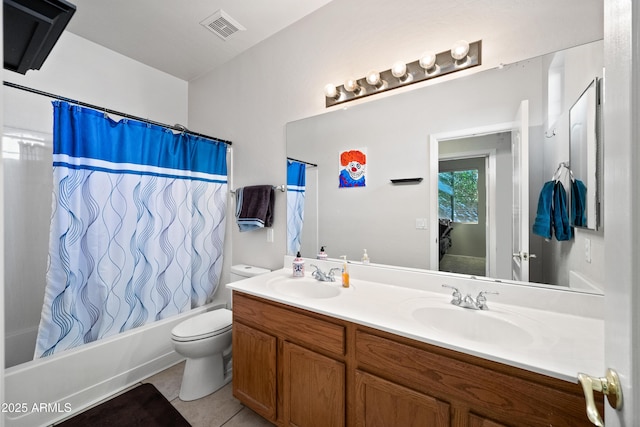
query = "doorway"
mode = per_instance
[
  {"x": 462, "y": 212},
  {"x": 492, "y": 143}
]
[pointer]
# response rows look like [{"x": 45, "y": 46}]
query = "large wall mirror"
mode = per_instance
[
  {"x": 507, "y": 129},
  {"x": 583, "y": 136}
]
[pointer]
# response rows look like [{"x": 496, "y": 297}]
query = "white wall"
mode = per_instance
[
  {"x": 250, "y": 99},
  {"x": 580, "y": 67},
  {"x": 84, "y": 71}
]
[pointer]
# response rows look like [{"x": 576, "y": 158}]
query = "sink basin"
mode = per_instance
[
  {"x": 497, "y": 327},
  {"x": 474, "y": 325},
  {"x": 305, "y": 287}
]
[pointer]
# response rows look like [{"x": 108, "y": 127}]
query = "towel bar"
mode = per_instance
[{"x": 282, "y": 188}]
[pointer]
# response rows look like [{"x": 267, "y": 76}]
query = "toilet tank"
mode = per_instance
[{"x": 243, "y": 271}]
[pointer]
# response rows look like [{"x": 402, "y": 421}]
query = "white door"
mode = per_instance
[
  {"x": 520, "y": 156},
  {"x": 621, "y": 106}
]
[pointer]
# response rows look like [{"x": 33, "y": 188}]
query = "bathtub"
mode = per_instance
[{"x": 44, "y": 391}]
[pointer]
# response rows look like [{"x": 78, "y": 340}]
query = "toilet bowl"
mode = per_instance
[{"x": 205, "y": 341}]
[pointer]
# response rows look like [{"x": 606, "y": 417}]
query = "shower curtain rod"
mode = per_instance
[
  {"x": 302, "y": 161},
  {"x": 176, "y": 127}
]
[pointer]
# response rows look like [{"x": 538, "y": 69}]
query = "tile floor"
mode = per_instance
[{"x": 216, "y": 410}]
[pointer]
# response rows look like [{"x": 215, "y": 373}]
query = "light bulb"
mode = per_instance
[
  {"x": 399, "y": 70},
  {"x": 460, "y": 50},
  {"x": 330, "y": 91},
  {"x": 428, "y": 61},
  {"x": 352, "y": 85},
  {"x": 373, "y": 78}
]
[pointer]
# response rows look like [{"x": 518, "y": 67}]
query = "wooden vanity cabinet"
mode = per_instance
[
  {"x": 476, "y": 421},
  {"x": 291, "y": 368},
  {"x": 298, "y": 368},
  {"x": 479, "y": 392}
]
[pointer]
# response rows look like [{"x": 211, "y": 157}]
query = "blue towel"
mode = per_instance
[
  {"x": 543, "y": 223},
  {"x": 561, "y": 224},
  {"x": 254, "y": 207},
  {"x": 578, "y": 203}
]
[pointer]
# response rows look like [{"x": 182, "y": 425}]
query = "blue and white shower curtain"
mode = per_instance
[
  {"x": 296, "y": 177},
  {"x": 137, "y": 228}
]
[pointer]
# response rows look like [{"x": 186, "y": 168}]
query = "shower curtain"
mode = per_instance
[
  {"x": 137, "y": 227},
  {"x": 296, "y": 176}
]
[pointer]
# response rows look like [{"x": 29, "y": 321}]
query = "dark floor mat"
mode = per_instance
[{"x": 140, "y": 406}]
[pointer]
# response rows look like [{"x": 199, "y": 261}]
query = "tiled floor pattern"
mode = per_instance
[{"x": 215, "y": 410}]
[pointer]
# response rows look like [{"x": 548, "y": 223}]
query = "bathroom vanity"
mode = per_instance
[{"x": 310, "y": 353}]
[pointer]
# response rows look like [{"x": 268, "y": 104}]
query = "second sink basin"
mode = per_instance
[
  {"x": 304, "y": 287},
  {"x": 497, "y": 327},
  {"x": 474, "y": 325}
]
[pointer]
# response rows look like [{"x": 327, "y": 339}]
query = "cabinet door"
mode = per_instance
[
  {"x": 254, "y": 369},
  {"x": 380, "y": 403},
  {"x": 314, "y": 388}
]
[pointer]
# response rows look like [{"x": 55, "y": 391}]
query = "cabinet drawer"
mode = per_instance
[
  {"x": 284, "y": 321},
  {"x": 497, "y": 394}
]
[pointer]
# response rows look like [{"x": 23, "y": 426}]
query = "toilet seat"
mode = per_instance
[{"x": 203, "y": 326}]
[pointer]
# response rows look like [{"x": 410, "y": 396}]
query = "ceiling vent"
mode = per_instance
[{"x": 222, "y": 25}]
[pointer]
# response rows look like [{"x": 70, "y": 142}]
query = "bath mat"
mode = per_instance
[{"x": 140, "y": 406}]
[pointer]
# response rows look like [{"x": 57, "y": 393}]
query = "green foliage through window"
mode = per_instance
[{"x": 458, "y": 196}]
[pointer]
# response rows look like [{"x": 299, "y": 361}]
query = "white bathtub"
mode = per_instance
[{"x": 43, "y": 391}]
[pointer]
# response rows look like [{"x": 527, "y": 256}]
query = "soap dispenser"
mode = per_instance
[
  {"x": 298, "y": 266},
  {"x": 345, "y": 272},
  {"x": 365, "y": 258},
  {"x": 322, "y": 254}
]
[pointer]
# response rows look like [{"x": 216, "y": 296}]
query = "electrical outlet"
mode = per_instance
[
  {"x": 421, "y": 223},
  {"x": 270, "y": 235},
  {"x": 587, "y": 250}
]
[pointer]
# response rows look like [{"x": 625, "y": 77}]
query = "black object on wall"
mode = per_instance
[{"x": 31, "y": 29}]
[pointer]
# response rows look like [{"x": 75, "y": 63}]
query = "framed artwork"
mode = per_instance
[{"x": 353, "y": 168}]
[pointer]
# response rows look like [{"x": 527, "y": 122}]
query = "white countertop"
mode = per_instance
[{"x": 556, "y": 344}]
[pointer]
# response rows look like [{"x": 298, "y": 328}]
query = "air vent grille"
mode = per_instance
[{"x": 222, "y": 25}]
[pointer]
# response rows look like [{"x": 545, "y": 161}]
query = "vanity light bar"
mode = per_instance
[{"x": 428, "y": 67}]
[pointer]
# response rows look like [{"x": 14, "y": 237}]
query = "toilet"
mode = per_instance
[{"x": 205, "y": 341}]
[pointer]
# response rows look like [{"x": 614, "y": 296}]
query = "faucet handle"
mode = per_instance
[
  {"x": 483, "y": 293},
  {"x": 481, "y": 300},
  {"x": 457, "y": 296}
]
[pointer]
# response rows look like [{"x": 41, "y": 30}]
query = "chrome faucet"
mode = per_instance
[
  {"x": 480, "y": 303},
  {"x": 322, "y": 276}
]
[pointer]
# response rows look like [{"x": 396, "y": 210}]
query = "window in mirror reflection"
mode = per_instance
[{"x": 458, "y": 196}]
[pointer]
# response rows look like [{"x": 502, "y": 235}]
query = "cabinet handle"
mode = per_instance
[{"x": 608, "y": 385}]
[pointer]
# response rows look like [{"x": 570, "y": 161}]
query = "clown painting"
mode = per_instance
[{"x": 353, "y": 168}]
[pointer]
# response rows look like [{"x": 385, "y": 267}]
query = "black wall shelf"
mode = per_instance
[{"x": 406, "y": 181}]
